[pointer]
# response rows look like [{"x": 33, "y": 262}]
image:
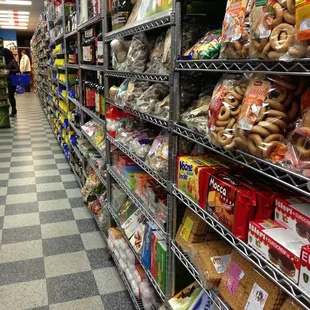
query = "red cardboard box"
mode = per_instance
[
  {"x": 304, "y": 274},
  {"x": 278, "y": 244},
  {"x": 294, "y": 213},
  {"x": 156, "y": 236},
  {"x": 232, "y": 202}
]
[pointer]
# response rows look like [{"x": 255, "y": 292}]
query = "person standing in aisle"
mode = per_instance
[
  {"x": 25, "y": 66},
  {"x": 13, "y": 69}
]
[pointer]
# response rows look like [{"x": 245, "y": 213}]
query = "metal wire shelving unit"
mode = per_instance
[{"x": 280, "y": 175}]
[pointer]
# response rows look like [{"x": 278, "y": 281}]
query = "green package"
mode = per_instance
[{"x": 161, "y": 265}]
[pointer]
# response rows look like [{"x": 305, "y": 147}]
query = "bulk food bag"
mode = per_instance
[
  {"x": 273, "y": 31},
  {"x": 236, "y": 29},
  {"x": 271, "y": 105},
  {"x": 224, "y": 110}
]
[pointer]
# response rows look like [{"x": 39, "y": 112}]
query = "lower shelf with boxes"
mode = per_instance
[{"x": 272, "y": 221}]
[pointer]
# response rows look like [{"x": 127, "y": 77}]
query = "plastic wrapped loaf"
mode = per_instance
[
  {"x": 273, "y": 31},
  {"x": 236, "y": 29}
]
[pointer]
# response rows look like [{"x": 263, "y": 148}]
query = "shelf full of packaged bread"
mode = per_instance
[{"x": 266, "y": 226}]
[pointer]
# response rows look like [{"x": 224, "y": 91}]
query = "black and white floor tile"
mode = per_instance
[{"x": 52, "y": 255}]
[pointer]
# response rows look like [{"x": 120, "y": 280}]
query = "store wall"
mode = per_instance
[{"x": 8, "y": 35}]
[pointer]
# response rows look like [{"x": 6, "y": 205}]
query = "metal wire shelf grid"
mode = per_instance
[
  {"x": 137, "y": 201},
  {"x": 93, "y": 115},
  {"x": 91, "y": 67},
  {"x": 159, "y": 20},
  {"x": 138, "y": 161},
  {"x": 98, "y": 174},
  {"x": 159, "y": 78},
  {"x": 250, "y": 254},
  {"x": 300, "y": 67},
  {"x": 90, "y": 22},
  {"x": 283, "y": 176},
  {"x": 94, "y": 145},
  {"x": 147, "y": 117}
]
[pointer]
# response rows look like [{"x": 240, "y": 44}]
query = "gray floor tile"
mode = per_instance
[
  {"x": 60, "y": 245},
  {"x": 21, "y": 175},
  {"x": 20, "y": 146},
  {"x": 99, "y": 258},
  {"x": 22, "y": 189},
  {"x": 41, "y": 148},
  {"x": 5, "y": 159},
  {"x": 22, "y": 271},
  {"x": 117, "y": 301},
  {"x": 77, "y": 203},
  {"x": 49, "y": 179},
  {"x": 52, "y": 195},
  {"x": 21, "y": 208},
  {"x": 21, "y": 154},
  {"x": 72, "y": 184},
  {"x": 35, "y": 157},
  {"x": 1, "y": 222},
  {"x": 4, "y": 170},
  {"x": 2, "y": 200},
  {"x": 45, "y": 167},
  {"x": 56, "y": 216},
  {"x": 21, "y": 234},
  {"x": 65, "y": 171},
  {"x": 4, "y": 183},
  {"x": 87, "y": 225},
  {"x": 40, "y": 308},
  {"x": 21, "y": 163},
  {"x": 71, "y": 287},
  {"x": 61, "y": 161},
  {"x": 43, "y": 141}
]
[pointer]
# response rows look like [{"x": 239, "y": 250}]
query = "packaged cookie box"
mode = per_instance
[
  {"x": 161, "y": 270},
  {"x": 242, "y": 287},
  {"x": 304, "y": 274},
  {"x": 156, "y": 237},
  {"x": 147, "y": 245},
  {"x": 294, "y": 213},
  {"x": 192, "y": 178},
  {"x": 232, "y": 202},
  {"x": 278, "y": 244}
]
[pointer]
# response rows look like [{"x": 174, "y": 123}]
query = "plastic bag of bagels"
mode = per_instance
[
  {"x": 236, "y": 29},
  {"x": 270, "y": 106},
  {"x": 273, "y": 31},
  {"x": 224, "y": 109},
  {"x": 298, "y": 155}
]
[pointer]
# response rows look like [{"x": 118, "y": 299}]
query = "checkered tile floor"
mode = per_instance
[{"x": 52, "y": 255}]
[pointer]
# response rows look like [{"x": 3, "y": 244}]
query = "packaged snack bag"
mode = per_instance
[
  {"x": 236, "y": 29},
  {"x": 224, "y": 110},
  {"x": 270, "y": 106},
  {"x": 273, "y": 31}
]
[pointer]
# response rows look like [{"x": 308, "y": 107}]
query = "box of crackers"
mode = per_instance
[
  {"x": 294, "y": 213},
  {"x": 278, "y": 244},
  {"x": 304, "y": 274},
  {"x": 231, "y": 202}
]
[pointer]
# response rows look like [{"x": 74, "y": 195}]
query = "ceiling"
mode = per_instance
[{"x": 35, "y": 10}]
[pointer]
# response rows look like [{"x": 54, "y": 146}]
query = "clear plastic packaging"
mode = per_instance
[
  {"x": 119, "y": 49},
  {"x": 162, "y": 108},
  {"x": 138, "y": 53},
  {"x": 236, "y": 29},
  {"x": 273, "y": 31},
  {"x": 271, "y": 105},
  {"x": 156, "y": 56},
  {"x": 224, "y": 110}
]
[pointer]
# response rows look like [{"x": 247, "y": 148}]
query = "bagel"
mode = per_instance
[
  {"x": 274, "y": 137},
  {"x": 231, "y": 123},
  {"x": 273, "y": 120},
  {"x": 241, "y": 90},
  {"x": 301, "y": 88},
  {"x": 306, "y": 120},
  {"x": 289, "y": 18},
  {"x": 297, "y": 51},
  {"x": 287, "y": 102},
  {"x": 231, "y": 100},
  {"x": 261, "y": 114},
  {"x": 222, "y": 123},
  {"x": 278, "y": 93},
  {"x": 223, "y": 137},
  {"x": 224, "y": 114},
  {"x": 235, "y": 112},
  {"x": 237, "y": 95},
  {"x": 271, "y": 127},
  {"x": 275, "y": 55},
  {"x": 241, "y": 134},
  {"x": 255, "y": 144},
  {"x": 266, "y": 49},
  {"x": 273, "y": 146},
  {"x": 240, "y": 143},
  {"x": 292, "y": 114},
  {"x": 273, "y": 104},
  {"x": 230, "y": 146},
  {"x": 303, "y": 151},
  {"x": 263, "y": 132},
  {"x": 278, "y": 114},
  {"x": 290, "y": 4},
  {"x": 259, "y": 44},
  {"x": 274, "y": 37}
]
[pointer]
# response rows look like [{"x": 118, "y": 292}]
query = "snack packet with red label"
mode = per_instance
[{"x": 224, "y": 109}]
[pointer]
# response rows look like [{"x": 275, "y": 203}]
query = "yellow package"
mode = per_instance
[
  {"x": 191, "y": 176},
  {"x": 303, "y": 19}
]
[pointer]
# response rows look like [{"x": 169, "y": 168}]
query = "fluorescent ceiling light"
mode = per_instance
[
  {"x": 14, "y": 17},
  {"x": 13, "y": 27},
  {"x": 14, "y": 12},
  {"x": 13, "y": 24},
  {"x": 16, "y": 2}
]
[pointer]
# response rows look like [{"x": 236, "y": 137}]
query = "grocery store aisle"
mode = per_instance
[{"x": 52, "y": 255}]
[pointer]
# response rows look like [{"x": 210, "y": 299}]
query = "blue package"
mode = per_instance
[
  {"x": 147, "y": 246},
  {"x": 203, "y": 302}
]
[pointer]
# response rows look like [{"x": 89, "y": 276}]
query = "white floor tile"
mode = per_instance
[
  {"x": 21, "y": 158},
  {"x": 53, "y": 230},
  {"x": 3, "y": 191},
  {"x": 93, "y": 240},
  {"x": 58, "y": 265},
  {"x": 91, "y": 303},
  {"x": 21, "y": 220},
  {"x": 82, "y": 213},
  {"x": 24, "y": 295},
  {"x": 22, "y": 181},
  {"x": 21, "y": 198},
  {"x": 21, "y": 251},
  {"x": 22, "y": 169},
  {"x": 53, "y": 205},
  {"x": 38, "y": 162},
  {"x": 47, "y": 187},
  {"x": 68, "y": 177},
  {"x": 46, "y": 173},
  {"x": 73, "y": 193}
]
